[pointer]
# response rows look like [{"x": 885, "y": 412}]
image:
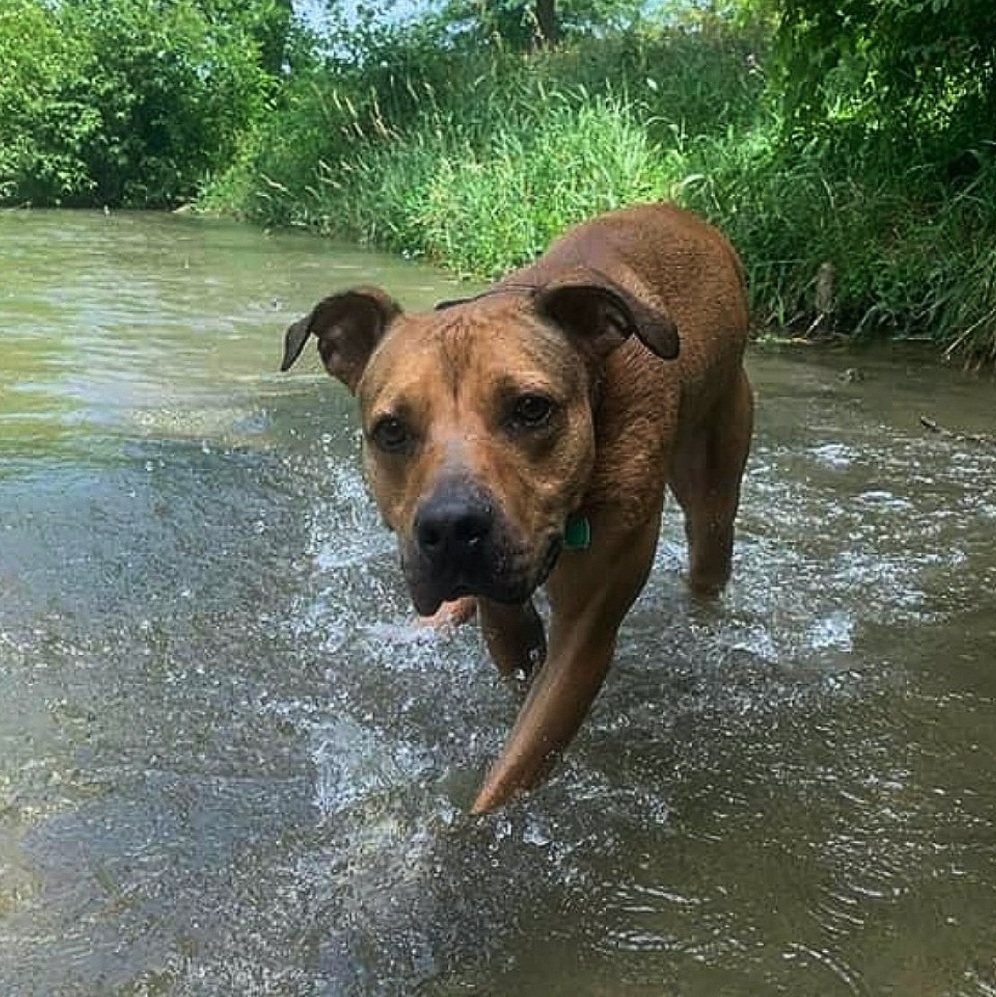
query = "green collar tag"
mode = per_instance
[{"x": 577, "y": 532}]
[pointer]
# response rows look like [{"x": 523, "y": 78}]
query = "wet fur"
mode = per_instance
[{"x": 581, "y": 325}]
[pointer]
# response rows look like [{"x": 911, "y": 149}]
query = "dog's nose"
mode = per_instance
[{"x": 453, "y": 527}]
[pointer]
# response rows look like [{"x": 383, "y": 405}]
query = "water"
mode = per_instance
[{"x": 230, "y": 764}]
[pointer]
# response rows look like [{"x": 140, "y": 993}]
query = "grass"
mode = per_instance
[
  {"x": 477, "y": 162},
  {"x": 482, "y": 206}
]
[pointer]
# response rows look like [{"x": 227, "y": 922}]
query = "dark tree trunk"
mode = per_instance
[{"x": 546, "y": 21}]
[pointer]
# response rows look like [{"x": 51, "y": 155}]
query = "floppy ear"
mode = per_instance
[
  {"x": 348, "y": 326},
  {"x": 598, "y": 311}
]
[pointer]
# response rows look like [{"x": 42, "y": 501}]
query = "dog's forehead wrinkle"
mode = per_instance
[
  {"x": 449, "y": 347},
  {"x": 449, "y": 372}
]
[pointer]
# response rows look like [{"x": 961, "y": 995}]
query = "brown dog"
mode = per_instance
[{"x": 526, "y": 435}]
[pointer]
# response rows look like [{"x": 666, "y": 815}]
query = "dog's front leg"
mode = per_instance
[
  {"x": 590, "y": 593},
  {"x": 514, "y": 634}
]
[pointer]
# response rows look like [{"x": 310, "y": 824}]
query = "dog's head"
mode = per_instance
[{"x": 478, "y": 420}]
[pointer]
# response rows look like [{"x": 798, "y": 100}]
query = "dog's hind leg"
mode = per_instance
[{"x": 705, "y": 478}]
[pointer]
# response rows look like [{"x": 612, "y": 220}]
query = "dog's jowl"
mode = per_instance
[{"x": 526, "y": 437}]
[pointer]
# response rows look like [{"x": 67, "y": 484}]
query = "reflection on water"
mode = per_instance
[{"x": 229, "y": 764}]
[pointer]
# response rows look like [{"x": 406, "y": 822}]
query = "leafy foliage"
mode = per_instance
[
  {"x": 414, "y": 93},
  {"x": 41, "y": 124},
  {"x": 121, "y": 102},
  {"x": 526, "y": 25},
  {"x": 897, "y": 99},
  {"x": 855, "y": 138},
  {"x": 914, "y": 76}
]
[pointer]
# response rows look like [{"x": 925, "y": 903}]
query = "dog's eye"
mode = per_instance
[
  {"x": 531, "y": 412},
  {"x": 390, "y": 434}
]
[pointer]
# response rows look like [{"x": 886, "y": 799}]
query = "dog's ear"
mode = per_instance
[
  {"x": 597, "y": 310},
  {"x": 348, "y": 326}
]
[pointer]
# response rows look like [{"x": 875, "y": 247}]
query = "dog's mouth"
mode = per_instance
[{"x": 501, "y": 575}]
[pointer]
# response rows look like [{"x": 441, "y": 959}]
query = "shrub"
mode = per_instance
[{"x": 120, "y": 101}]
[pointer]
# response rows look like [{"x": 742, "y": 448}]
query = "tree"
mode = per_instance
[
  {"x": 918, "y": 73},
  {"x": 546, "y": 21},
  {"x": 528, "y": 24},
  {"x": 123, "y": 101},
  {"x": 269, "y": 23}
]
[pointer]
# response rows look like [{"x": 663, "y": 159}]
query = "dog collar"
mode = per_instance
[{"x": 577, "y": 532}]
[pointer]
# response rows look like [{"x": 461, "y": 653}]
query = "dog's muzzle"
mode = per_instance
[{"x": 462, "y": 545}]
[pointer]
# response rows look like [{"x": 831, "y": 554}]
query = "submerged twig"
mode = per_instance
[{"x": 984, "y": 439}]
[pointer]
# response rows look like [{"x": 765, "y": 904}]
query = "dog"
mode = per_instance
[{"x": 526, "y": 436}]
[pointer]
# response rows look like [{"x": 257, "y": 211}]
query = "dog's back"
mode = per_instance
[
  {"x": 667, "y": 255},
  {"x": 674, "y": 261}
]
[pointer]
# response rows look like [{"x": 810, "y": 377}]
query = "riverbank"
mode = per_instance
[
  {"x": 848, "y": 152},
  {"x": 475, "y": 163}
]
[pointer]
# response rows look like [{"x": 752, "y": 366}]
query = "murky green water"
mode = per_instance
[{"x": 230, "y": 765}]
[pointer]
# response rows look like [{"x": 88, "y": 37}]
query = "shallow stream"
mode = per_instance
[{"x": 231, "y": 765}]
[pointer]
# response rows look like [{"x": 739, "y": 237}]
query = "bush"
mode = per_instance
[
  {"x": 128, "y": 102},
  {"x": 484, "y": 208},
  {"x": 361, "y": 150},
  {"x": 42, "y": 126},
  {"x": 861, "y": 145}
]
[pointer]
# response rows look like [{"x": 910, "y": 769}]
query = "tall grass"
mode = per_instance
[
  {"x": 911, "y": 258},
  {"x": 483, "y": 205},
  {"x": 477, "y": 161},
  {"x": 419, "y": 109}
]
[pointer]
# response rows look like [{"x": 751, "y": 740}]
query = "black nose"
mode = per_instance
[{"x": 452, "y": 527}]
